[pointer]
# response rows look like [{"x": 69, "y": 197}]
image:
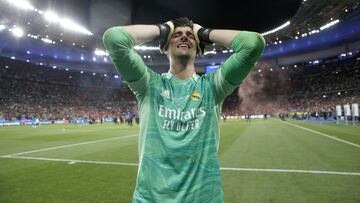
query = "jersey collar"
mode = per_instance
[{"x": 169, "y": 75}]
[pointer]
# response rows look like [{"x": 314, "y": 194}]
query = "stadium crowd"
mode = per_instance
[
  {"x": 49, "y": 94},
  {"x": 308, "y": 89},
  {"x": 28, "y": 90}
]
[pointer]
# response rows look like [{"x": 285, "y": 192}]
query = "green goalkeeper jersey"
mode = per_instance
[{"x": 179, "y": 126}]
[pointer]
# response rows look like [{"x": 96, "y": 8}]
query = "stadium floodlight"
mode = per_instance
[
  {"x": 332, "y": 23},
  {"x": 145, "y": 48},
  {"x": 47, "y": 40},
  {"x": 314, "y": 31},
  {"x": 21, "y": 4},
  {"x": 210, "y": 52},
  {"x": 71, "y": 25},
  {"x": 276, "y": 29},
  {"x": 99, "y": 52},
  {"x": 116, "y": 76},
  {"x": 2, "y": 27},
  {"x": 51, "y": 16},
  {"x": 17, "y": 32}
]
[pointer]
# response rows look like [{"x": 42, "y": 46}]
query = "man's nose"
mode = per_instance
[{"x": 184, "y": 37}]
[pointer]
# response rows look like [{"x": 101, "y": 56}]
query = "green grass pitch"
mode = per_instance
[{"x": 262, "y": 161}]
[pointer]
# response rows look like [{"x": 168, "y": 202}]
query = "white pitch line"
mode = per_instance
[
  {"x": 69, "y": 145},
  {"x": 73, "y": 161},
  {"x": 291, "y": 171},
  {"x": 70, "y": 161},
  {"x": 323, "y": 134}
]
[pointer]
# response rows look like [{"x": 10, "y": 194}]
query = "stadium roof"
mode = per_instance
[
  {"x": 313, "y": 14},
  {"x": 87, "y": 20},
  {"x": 97, "y": 15}
]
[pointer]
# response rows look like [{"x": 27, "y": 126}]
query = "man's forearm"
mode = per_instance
[
  {"x": 223, "y": 37},
  {"x": 142, "y": 33},
  {"x": 119, "y": 42},
  {"x": 247, "y": 47}
]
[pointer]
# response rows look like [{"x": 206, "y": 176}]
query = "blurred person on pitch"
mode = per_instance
[{"x": 179, "y": 110}]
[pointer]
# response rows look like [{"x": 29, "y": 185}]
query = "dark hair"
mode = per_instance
[{"x": 182, "y": 22}]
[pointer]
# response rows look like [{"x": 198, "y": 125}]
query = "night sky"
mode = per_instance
[{"x": 254, "y": 15}]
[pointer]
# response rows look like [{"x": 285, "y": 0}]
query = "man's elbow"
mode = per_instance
[
  {"x": 109, "y": 37},
  {"x": 256, "y": 44},
  {"x": 115, "y": 38},
  {"x": 108, "y": 32}
]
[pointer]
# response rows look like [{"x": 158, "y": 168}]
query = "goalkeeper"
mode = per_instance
[{"x": 180, "y": 110}]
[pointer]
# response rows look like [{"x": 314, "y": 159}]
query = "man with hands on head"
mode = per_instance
[{"x": 180, "y": 110}]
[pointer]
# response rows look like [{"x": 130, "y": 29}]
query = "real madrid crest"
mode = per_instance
[{"x": 195, "y": 95}]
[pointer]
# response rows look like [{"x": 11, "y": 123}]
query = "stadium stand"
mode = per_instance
[
  {"x": 29, "y": 90},
  {"x": 47, "y": 94},
  {"x": 314, "y": 90}
]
